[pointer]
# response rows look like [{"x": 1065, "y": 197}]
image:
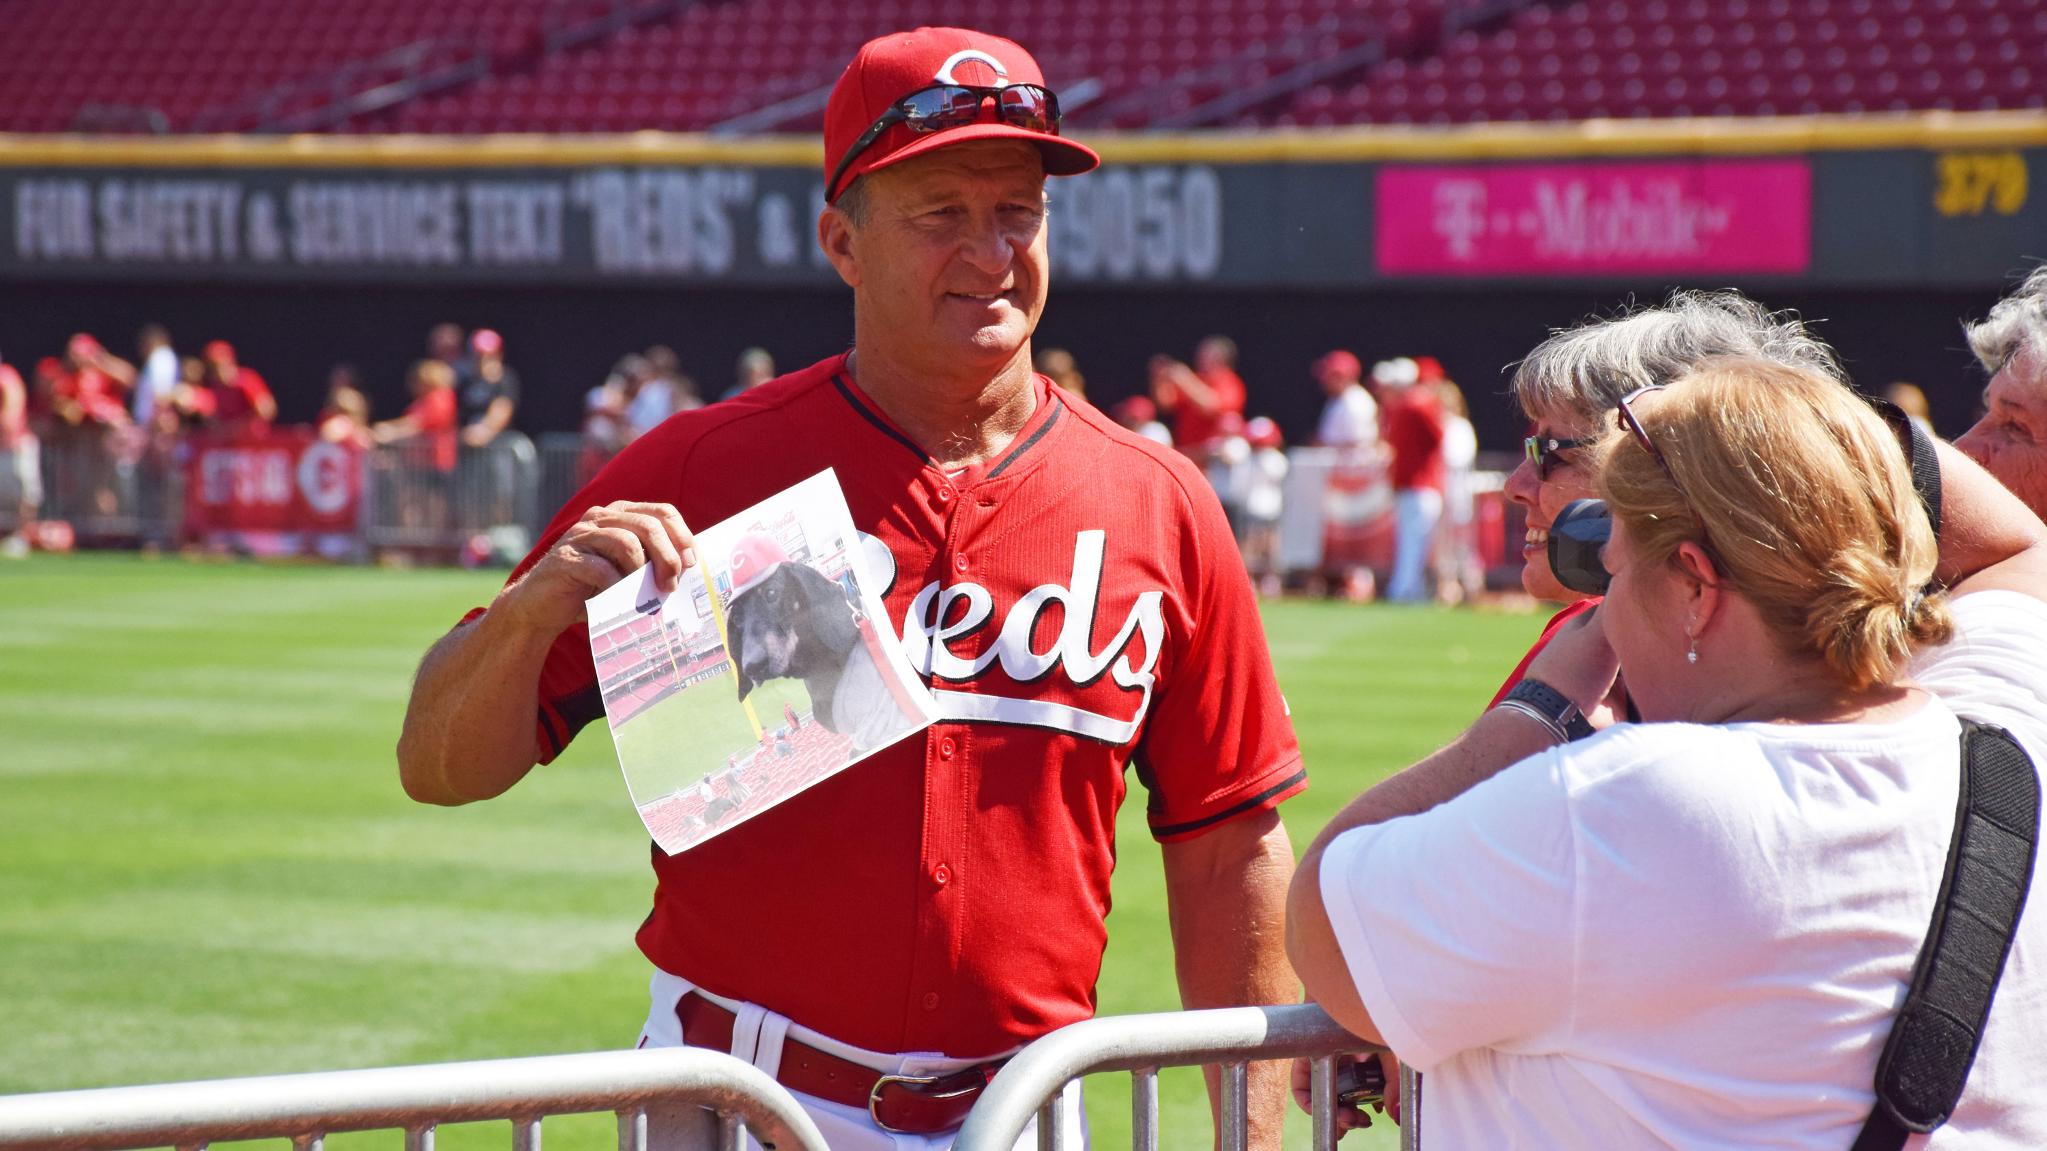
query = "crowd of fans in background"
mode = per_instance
[{"x": 1405, "y": 422}]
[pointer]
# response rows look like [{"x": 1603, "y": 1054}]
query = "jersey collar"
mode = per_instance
[{"x": 1046, "y": 414}]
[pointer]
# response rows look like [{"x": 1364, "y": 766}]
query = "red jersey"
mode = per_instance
[
  {"x": 433, "y": 413},
  {"x": 1193, "y": 427},
  {"x": 95, "y": 393},
  {"x": 235, "y": 401},
  {"x": 1077, "y": 607},
  {"x": 1549, "y": 632},
  {"x": 1413, "y": 427}
]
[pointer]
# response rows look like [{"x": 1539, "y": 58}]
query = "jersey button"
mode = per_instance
[
  {"x": 960, "y": 562},
  {"x": 946, "y": 747},
  {"x": 931, "y": 1001},
  {"x": 945, "y": 495},
  {"x": 941, "y": 875}
]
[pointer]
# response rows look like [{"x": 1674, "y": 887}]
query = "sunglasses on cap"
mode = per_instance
[
  {"x": 1542, "y": 451},
  {"x": 944, "y": 106}
]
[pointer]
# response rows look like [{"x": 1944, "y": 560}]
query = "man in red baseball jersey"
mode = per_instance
[{"x": 1070, "y": 591}]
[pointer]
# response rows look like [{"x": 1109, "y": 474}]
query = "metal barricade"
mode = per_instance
[
  {"x": 423, "y": 496},
  {"x": 113, "y": 485},
  {"x": 664, "y": 1091},
  {"x": 1030, "y": 1083}
]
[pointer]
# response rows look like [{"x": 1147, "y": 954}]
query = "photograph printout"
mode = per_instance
[{"x": 770, "y": 667}]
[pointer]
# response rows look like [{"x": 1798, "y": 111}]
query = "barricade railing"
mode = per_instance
[
  {"x": 419, "y": 495},
  {"x": 687, "y": 1098},
  {"x": 1030, "y": 1084},
  {"x": 113, "y": 484}
]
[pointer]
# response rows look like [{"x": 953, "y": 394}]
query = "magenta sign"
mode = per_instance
[{"x": 1572, "y": 219}]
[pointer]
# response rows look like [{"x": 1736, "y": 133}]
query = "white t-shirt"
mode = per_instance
[
  {"x": 1350, "y": 418},
  {"x": 1690, "y": 936}
]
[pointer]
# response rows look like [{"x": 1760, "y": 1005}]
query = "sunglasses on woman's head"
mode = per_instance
[{"x": 1624, "y": 416}]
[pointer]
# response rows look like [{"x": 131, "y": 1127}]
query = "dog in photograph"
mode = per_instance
[{"x": 788, "y": 621}]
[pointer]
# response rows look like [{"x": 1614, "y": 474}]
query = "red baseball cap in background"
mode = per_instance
[
  {"x": 1339, "y": 363},
  {"x": 890, "y": 67},
  {"x": 218, "y": 350},
  {"x": 485, "y": 342}
]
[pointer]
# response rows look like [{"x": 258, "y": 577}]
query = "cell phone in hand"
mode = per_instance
[{"x": 1361, "y": 1083}]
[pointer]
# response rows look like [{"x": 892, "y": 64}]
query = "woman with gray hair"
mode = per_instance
[
  {"x": 1569, "y": 386},
  {"x": 2010, "y": 441}
]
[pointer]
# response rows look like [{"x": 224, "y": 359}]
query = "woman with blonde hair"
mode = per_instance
[{"x": 1697, "y": 930}]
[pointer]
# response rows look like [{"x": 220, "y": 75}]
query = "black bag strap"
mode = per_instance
[
  {"x": 1919, "y": 450},
  {"x": 1926, "y": 1060}
]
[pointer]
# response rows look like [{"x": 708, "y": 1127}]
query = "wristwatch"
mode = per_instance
[{"x": 1549, "y": 707}]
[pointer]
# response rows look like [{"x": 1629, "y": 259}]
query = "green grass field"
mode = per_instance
[
  {"x": 207, "y": 867},
  {"x": 678, "y": 741}
]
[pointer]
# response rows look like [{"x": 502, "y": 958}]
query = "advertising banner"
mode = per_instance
[
  {"x": 284, "y": 492},
  {"x": 1680, "y": 217}
]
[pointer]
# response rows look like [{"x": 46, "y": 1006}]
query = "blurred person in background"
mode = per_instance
[
  {"x": 241, "y": 400},
  {"x": 2011, "y": 438},
  {"x": 1697, "y": 930},
  {"x": 158, "y": 376},
  {"x": 605, "y": 427},
  {"x": 1058, "y": 365},
  {"x": 88, "y": 406},
  {"x": 428, "y": 433},
  {"x": 90, "y": 389},
  {"x": 1197, "y": 398},
  {"x": 1264, "y": 500},
  {"x": 682, "y": 387},
  {"x": 650, "y": 396},
  {"x": 1350, "y": 416},
  {"x": 1141, "y": 415},
  {"x": 446, "y": 343},
  {"x": 754, "y": 368},
  {"x": 21, "y": 469},
  {"x": 345, "y": 414},
  {"x": 1412, "y": 417},
  {"x": 487, "y": 390},
  {"x": 1458, "y": 577},
  {"x": 1911, "y": 401},
  {"x": 1229, "y": 457}
]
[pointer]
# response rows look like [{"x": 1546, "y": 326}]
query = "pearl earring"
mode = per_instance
[{"x": 1692, "y": 656}]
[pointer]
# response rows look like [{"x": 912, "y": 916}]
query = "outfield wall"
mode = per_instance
[
  {"x": 1464, "y": 243},
  {"x": 1930, "y": 200}
]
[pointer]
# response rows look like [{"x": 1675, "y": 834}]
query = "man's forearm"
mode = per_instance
[
  {"x": 469, "y": 726},
  {"x": 1982, "y": 523},
  {"x": 1226, "y": 894}
]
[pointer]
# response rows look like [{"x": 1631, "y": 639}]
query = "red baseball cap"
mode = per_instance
[
  {"x": 485, "y": 342},
  {"x": 219, "y": 350},
  {"x": 754, "y": 556},
  {"x": 1339, "y": 362},
  {"x": 890, "y": 67}
]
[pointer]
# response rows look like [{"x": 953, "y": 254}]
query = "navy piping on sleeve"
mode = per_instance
[{"x": 1234, "y": 811}]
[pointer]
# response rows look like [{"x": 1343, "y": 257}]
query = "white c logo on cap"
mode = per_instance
[{"x": 965, "y": 54}]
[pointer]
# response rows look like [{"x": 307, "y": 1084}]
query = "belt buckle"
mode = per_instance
[{"x": 932, "y": 1088}]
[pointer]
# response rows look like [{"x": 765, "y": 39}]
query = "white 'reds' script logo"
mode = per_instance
[
  {"x": 964, "y": 55},
  {"x": 929, "y": 626}
]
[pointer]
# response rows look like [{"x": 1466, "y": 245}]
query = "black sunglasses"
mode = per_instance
[
  {"x": 1542, "y": 452},
  {"x": 944, "y": 106}
]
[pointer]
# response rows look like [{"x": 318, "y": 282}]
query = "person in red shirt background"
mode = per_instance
[
  {"x": 1411, "y": 419},
  {"x": 428, "y": 423},
  {"x": 241, "y": 401},
  {"x": 1199, "y": 397},
  {"x": 21, "y": 466}
]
